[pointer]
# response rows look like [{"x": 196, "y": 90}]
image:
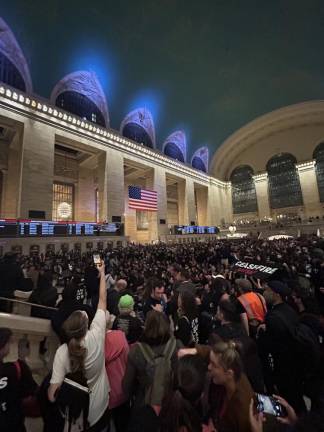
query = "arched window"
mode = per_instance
[
  {"x": 80, "y": 105},
  {"x": 243, "y": 190},
  {"x": 284, "y": 184},
  {"x": 318, "y": 155},
  {"x": 10, "y": 75},
  {"x": 198, "y": 163},
  {"x": 137, "y": 133},
  {"x": 173, "y": 151}
]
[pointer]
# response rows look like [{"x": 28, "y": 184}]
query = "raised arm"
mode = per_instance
[{"x": 102, "y": 304}]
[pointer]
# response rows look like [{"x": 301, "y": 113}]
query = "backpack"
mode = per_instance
[
  {"x": 306, "y": 346},
  {"x": 158, "y": 371},
  {"x": 73, "y": 402}
]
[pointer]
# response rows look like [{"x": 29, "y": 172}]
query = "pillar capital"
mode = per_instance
[{"x": 305, "y": 166}]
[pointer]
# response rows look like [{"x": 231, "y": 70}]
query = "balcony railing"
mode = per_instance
[{"x": 33, "y": 339}]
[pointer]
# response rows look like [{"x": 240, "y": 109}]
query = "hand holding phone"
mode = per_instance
[
  {"x": 96, "y": 259},
  {"x": 270, "y": 405},
  {"x": 291, "y": 417}
]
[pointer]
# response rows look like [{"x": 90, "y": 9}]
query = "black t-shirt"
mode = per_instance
[
  {"x": 187, "y": 331},
  {"x": 113, "y": 297},
  {"x": 16, "y": 383},
  {"x": 238, "y": 306},
  {"x": 209, "y": 302},
  {"x": 152, "y": 302}
]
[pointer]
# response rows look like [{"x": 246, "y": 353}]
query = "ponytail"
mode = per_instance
[
  {"x": 77, "y": 354},
  {"x": 229, "y": 357}
]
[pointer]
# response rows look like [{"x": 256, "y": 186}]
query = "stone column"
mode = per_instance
[
  {"x": 157, "y": 182},
  {"x": 308, "y": 184},
  {"x": 186, "y": 200},
  {"x": 202, "y": 205},
  {"x": 3, "y": 191},
  {"x": 85, "y": 208},
  {"x": 38, "y": 143},
  {"x": 220, "y": 210},
  {"x": 129, "y": 215},
  {"x": 212, "y": 210},
  {"x": 111, "y": 184},
  {"x": 261, "y": 188},
  {"x": 10, "y": 202}
]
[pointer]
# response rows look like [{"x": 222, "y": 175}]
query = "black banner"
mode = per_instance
[{"x": 257, "y": 270}]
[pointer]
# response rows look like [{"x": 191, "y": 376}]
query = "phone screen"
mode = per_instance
[
  {"x": 96, "y": 259},
  {"x": 270, "y": 405}
]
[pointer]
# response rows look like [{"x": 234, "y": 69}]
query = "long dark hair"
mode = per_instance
[
  {"x": 150, "y": 285},
  {"x": 188, "y": 305},
  {"x": 75, "y": 328},
  {"x": 180, "y": 408}
]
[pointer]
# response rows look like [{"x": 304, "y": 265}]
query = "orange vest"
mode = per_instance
[{"x": 254, "y": 306}]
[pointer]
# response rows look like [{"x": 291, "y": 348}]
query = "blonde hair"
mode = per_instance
[{"x": 229, "y": 357}]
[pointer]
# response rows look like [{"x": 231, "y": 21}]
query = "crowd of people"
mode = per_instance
[{"x": 173, "y": 337}]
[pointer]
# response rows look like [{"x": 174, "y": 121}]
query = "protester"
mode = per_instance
[
  {"x": 116, "y": 352},
  {"x": 114, "y": 294},
  {"x": 182, "y": 408},
  {"x": 83, "y": 354},
  {"x": 230, "y": 407},
  {"x": 207, "y": 294},
  {"x": 187, "y": 328},
  {"x": 71, "y": 302},
  {"x": 16, "y": 383},
  {"x": 139, "y": 376},
  {"x": 183, "y": 279},
  {"x": 155, "y": 298},
  {"x": 280, "y": 324},
  {"x": 11, "y": 277},
  {"x": 45, "y": 294},
  {"x": 127, "y": 321},
  {"x": 253, "y": 304}
]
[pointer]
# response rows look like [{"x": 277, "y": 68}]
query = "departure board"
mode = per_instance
[
  {"x": 29, "y": 228},
  {"x": 195, "y": 229},
  {"x": 8, "y": 228}
]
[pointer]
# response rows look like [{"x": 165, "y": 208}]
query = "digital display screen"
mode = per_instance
[
  {"x": 89, "y": 229},
  {"x": 29, "y": 228},
  {"x": 47, "y": 228},
  {"x": 77, "y": 229},
  {"x": 200, "y": 229},
  {"x": 110, "y": 229},
  {"x": 195, "y": 229},
  {"x": 189, "y": 229},
  {"x": 8, "y": 229}
]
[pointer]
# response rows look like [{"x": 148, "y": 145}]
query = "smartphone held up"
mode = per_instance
[
  {"x": 270, "y": 405},
  {"x": 97, "y": 259}
]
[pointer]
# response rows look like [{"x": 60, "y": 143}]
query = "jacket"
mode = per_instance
[
  {"x": 116, "y": 353},
  {"x": 136, "y": 380}
]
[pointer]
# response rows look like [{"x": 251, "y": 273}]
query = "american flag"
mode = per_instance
[{"x": 141, "y": 199}]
